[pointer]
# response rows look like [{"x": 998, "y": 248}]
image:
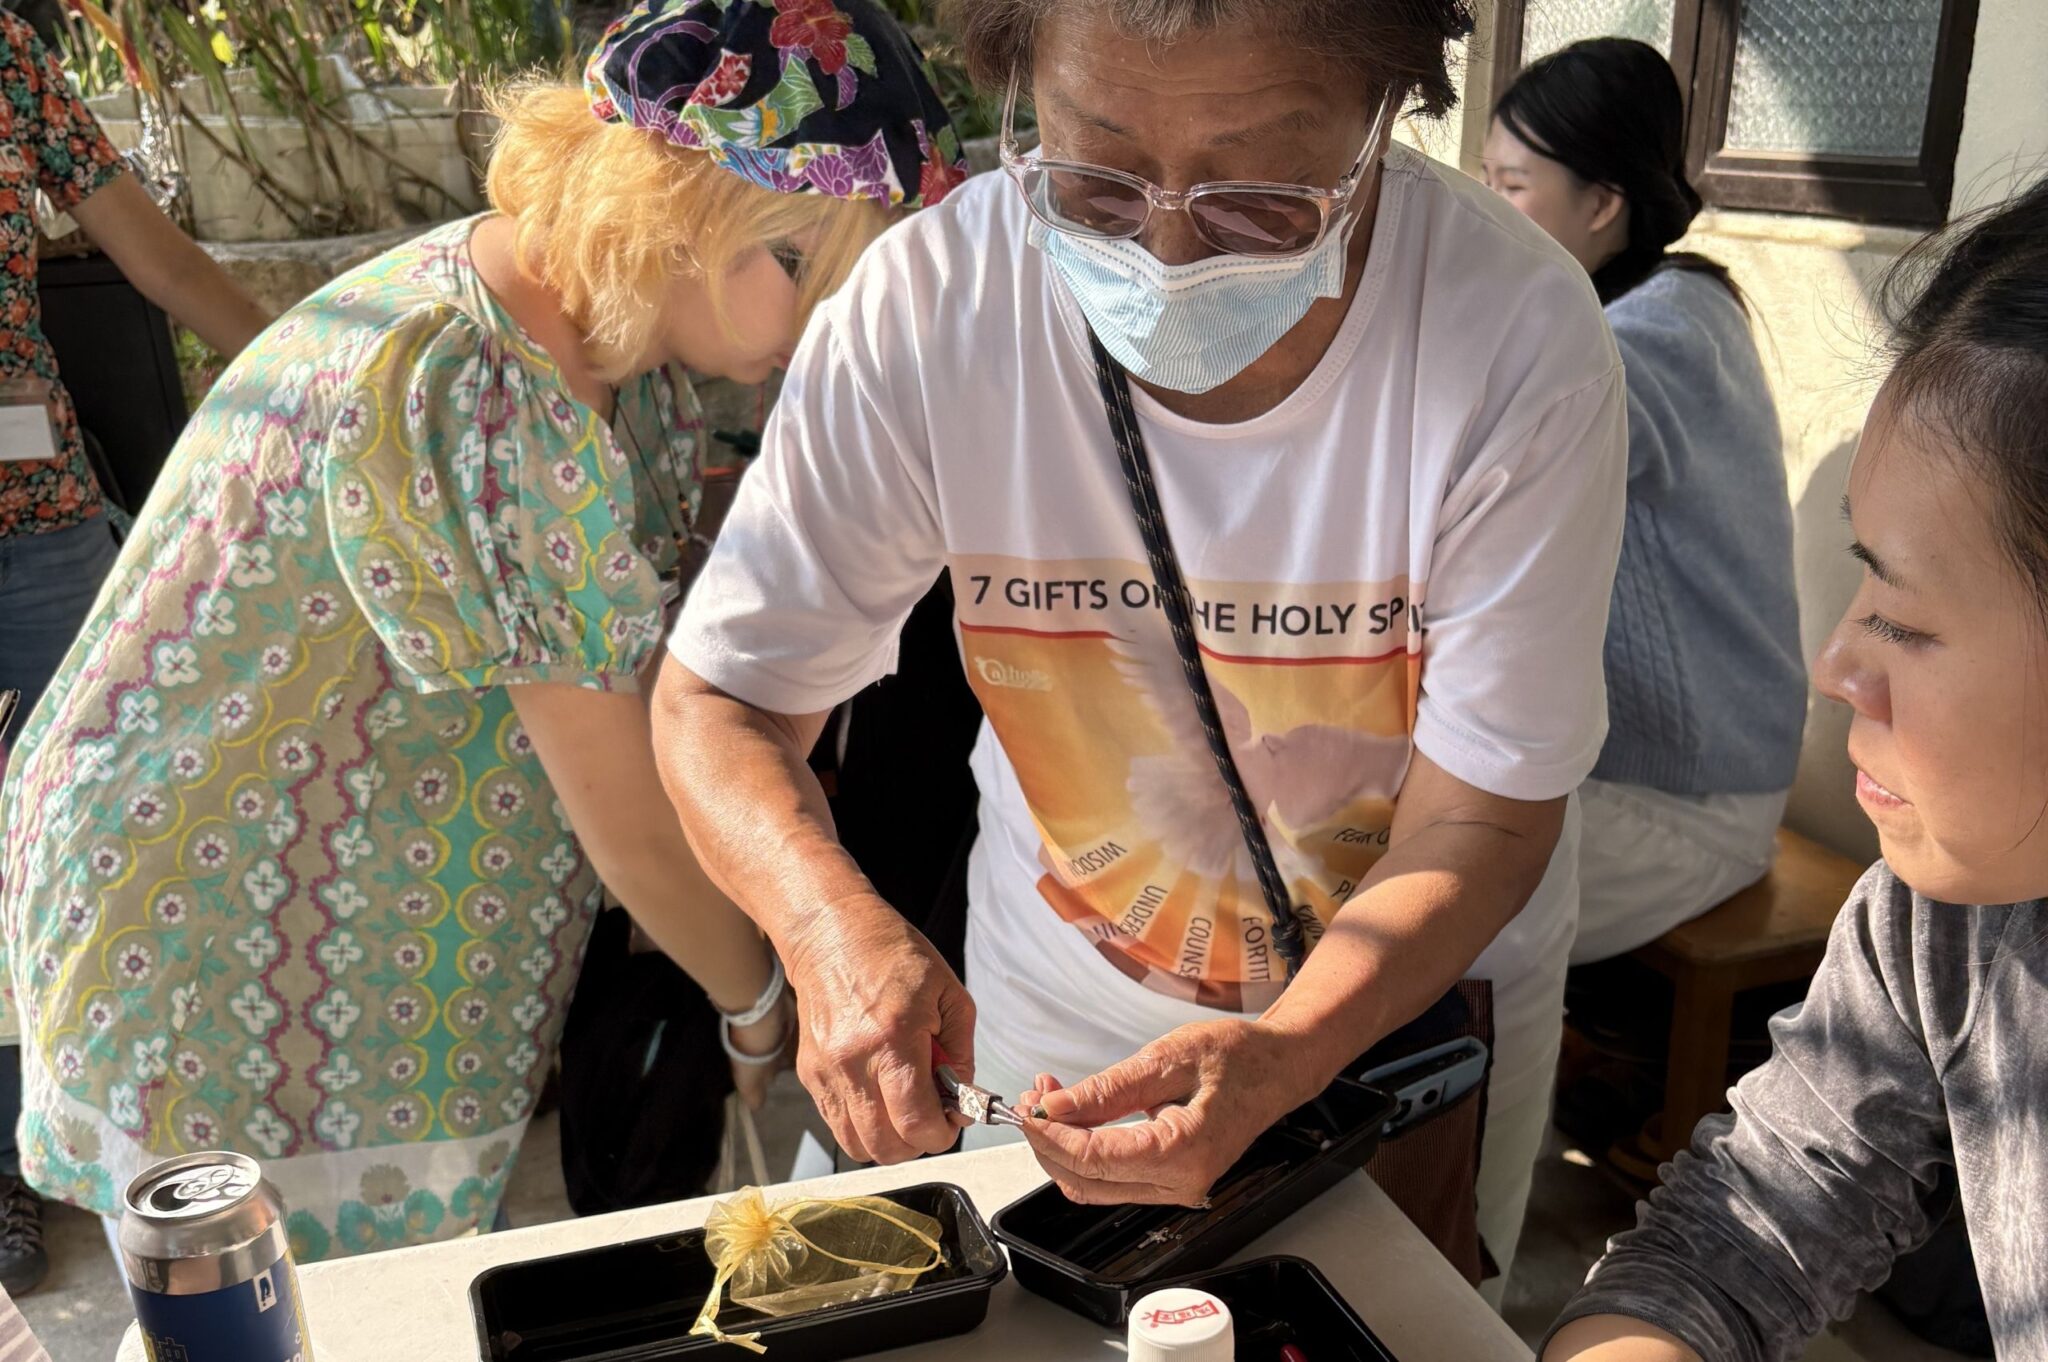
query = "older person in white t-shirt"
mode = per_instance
[{"x": 1385, "y": 423}]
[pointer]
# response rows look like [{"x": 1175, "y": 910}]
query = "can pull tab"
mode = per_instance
[{"x": 199, "y": 1190}]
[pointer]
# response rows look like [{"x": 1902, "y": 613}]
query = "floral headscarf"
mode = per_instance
[{"x": 823, "y": 96}]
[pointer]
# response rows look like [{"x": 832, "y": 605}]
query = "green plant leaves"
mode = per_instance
[{"x": 269, "y": 58}]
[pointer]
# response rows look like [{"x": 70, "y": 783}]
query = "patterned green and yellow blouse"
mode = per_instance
[{"x": 281, "y": 871}]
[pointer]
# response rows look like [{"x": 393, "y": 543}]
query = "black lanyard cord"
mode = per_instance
[{"x": 1288, "y": 940}]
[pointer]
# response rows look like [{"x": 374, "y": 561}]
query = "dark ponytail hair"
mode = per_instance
[
  {"x": 1609, "y": 111},
  {"x": 1968, "y": 308}
]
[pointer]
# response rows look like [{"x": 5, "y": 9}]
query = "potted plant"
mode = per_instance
[{"x": 312, "y": 118}]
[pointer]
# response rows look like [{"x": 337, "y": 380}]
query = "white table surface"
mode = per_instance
[{"x": 412, "y": 1305}]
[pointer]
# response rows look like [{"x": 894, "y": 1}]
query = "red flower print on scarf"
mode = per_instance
[
  {"x": 815, "y": 27},
  {"x": 724, "y": 84}
]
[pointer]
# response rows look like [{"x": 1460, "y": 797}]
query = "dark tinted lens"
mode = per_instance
[
  {"x": 1251, "y": 223},
  {"x": 1086, "y": 202}
]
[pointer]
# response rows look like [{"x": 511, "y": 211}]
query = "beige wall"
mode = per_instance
[
  {"x": 2005, "y": 122},
  {"x": 1812, "y": 282}
]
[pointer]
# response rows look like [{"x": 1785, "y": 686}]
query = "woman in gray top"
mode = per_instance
[
  {"x": 1706, "y": 689},
  {"x": 1917, "y": 1050}
]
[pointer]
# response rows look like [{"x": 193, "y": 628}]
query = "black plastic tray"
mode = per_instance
[
  {"x": 1096, "y": 1260},
  {"x": 1277, "y": 1301},
  {"x": 635, "y": 1302}
]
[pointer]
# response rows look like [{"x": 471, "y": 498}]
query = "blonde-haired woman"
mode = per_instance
[{"x": 303, "y": 842}]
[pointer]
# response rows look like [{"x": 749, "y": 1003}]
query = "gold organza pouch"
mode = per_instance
[{"x": 808, "y": 1253}]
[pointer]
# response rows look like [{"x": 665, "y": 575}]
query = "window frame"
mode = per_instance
[{"x": 1913, "y": 191}]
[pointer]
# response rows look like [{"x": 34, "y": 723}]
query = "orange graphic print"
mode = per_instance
[{"x": 1316, "y": 686}]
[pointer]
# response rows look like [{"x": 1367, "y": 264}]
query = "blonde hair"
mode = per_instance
[{"x": 608, "y": 215}]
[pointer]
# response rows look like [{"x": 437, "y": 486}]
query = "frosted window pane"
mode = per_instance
[
  {"x": 1841, "y": 76},
  {"x": 1550, "y": 24}
]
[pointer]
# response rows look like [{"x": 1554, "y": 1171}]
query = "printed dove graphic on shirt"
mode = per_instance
[{"x": 1299, "y": 778}]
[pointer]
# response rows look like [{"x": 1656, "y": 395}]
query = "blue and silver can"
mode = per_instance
[{"x": 203, "y": 1245}]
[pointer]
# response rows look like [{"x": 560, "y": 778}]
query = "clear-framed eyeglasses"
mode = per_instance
[{"x": 1237, "y": 217}]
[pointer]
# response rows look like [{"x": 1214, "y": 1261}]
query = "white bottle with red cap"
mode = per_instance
[{"x": 1181, "y": 1324}]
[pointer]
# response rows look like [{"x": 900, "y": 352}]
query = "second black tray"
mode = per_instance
[
  {"x": 1277, "y": 1301},
  {"x": 635, "y": 1302},
  {"x": 1096, "y": 1259}
]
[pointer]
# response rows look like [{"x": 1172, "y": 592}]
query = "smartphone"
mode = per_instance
[{"x": 1424, "y": 1084}]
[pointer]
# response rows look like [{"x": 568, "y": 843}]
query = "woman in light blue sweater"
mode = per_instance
[{"x": 1706, "y": 689}]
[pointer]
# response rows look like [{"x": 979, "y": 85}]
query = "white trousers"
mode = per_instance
[{"x": 1649, "y": 861}]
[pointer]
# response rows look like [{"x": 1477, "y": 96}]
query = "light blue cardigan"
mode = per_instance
[{"x": 1706, "y": 687}]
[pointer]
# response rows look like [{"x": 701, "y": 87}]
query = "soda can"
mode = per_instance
[{"x": 203, "y": 1245}]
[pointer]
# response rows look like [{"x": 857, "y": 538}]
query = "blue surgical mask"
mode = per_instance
[{"x": 1192, "y": 327}]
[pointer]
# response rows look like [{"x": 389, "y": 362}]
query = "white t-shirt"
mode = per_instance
[{"x": 1413, "y": 550}]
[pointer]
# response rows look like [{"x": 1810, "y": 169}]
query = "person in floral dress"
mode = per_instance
[
  {"x": 302, "y": 846},
  {"x": 56, "y": 540}
]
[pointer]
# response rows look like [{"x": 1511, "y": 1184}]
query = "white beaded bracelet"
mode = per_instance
[
  {"x": 763, "y": 1005},
  {"x": 739, "y": 1056}
]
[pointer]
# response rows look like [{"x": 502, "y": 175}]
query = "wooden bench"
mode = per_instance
[{"x": 1773, "y": 932}]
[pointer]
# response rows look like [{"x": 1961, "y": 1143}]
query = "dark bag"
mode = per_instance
[
  {"x": 643, "y": 1078},
  {"x": 1429, "y": 1170},
  {"x": 900, "y": 762}
]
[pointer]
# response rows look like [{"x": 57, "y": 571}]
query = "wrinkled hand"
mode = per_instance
[
  {"x": 872, "y": 994},
  {"x": 1209, "y": 1089},
  {"x": 774, "y": 1030}
]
